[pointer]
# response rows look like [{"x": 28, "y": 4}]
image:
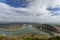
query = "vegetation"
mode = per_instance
[
  {"x": 28, "y": 37},
  {"x": 55, "y": 38}
]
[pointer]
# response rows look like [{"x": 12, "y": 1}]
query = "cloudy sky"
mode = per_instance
[{"x": 40, "y": 11}]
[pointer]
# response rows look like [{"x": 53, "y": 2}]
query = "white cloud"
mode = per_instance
[
  {"x": 36, "y": 11},
  {"x": 40, "y": 7}
]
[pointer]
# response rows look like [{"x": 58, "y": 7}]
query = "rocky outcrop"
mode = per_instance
[{"x": 50, "y": 28}]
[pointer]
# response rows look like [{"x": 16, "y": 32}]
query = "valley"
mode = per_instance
[{"x": 12, "y": 29}]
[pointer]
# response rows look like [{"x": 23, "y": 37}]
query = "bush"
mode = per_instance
[
  {"x": 54, "y": 38},
  {"x": 2, "y": 36},
  {"x": 31, "y": 38}
]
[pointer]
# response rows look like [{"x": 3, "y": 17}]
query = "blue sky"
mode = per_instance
[
  {"x": 40, "y": 11},
  {"x": 16, "y": 3}
]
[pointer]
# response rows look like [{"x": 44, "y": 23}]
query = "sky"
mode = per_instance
[{"x": 36, "y": 11}]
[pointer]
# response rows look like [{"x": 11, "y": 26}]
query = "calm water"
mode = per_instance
[{"x": 24, "y": 31}]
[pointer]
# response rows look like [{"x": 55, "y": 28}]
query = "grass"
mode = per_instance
[{"x": 28, "y": 37}]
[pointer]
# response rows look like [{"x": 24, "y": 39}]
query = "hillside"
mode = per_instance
[
  {"x": 55, "y": 29},
  {"x": 50, "y": 28}
]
